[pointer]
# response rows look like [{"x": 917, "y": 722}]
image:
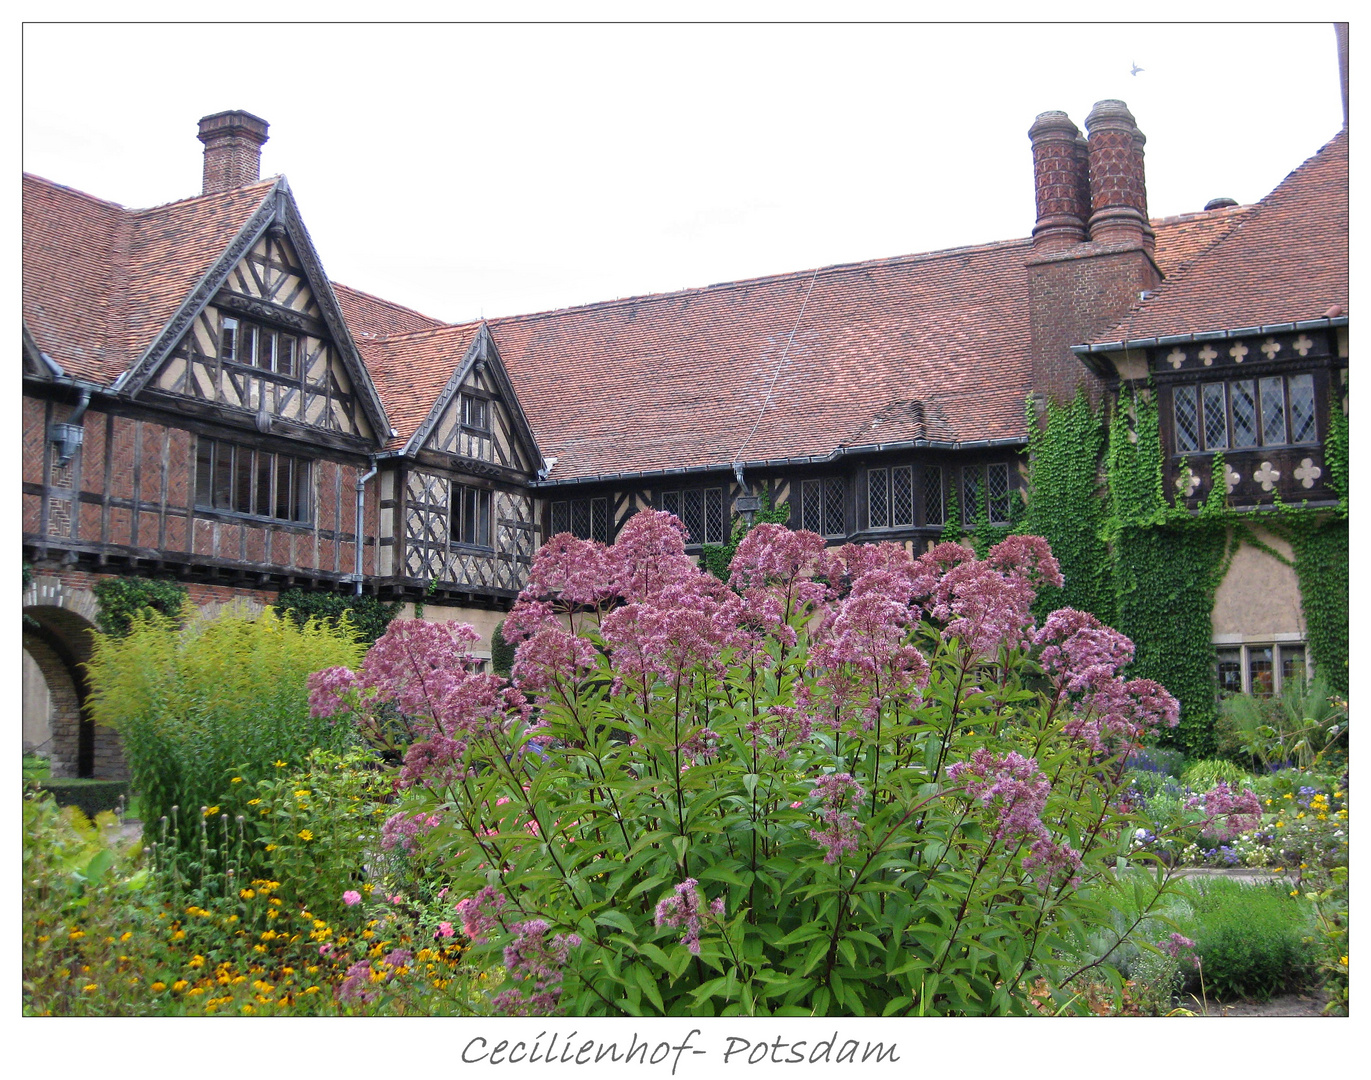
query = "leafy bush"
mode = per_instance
[
  {"x": 1297, "y": 728},
  {"x": 200, "y": 703},
  {"x": 1254, "y": 940},
  {"x": 78, "y": 878},
  {"x": 823, "y": 790},
  {"x": 123, "y": 599},
  {"x": 1209, "y": 771},
  {"x": 366, "y": 615}
]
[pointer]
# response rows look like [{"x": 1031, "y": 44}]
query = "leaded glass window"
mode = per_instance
[
  {"x": 1187, "y": 418},
  {"x": 878, "y": 498},
  {"x": 933, "y": 494},
  {"x": 835, "y": 512},
  {"x": 997, "y": 493},
  {"x": 902, "y": 495},
  {"x": 1244, "y": 403},
  {"x": 1273, "y": 411},
  {"x": 971, "y": 494},
  {"x": 1215, "y": 416},
  {"x": 1302, "y": 408},
  {"x": 701, "y": 511}
]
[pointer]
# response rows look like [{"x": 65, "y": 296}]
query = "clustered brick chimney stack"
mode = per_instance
[
  {"x": 1089, "y": 189},
  {"x": 1092, "y": 253},
  {"x": 233, "y": 149}
]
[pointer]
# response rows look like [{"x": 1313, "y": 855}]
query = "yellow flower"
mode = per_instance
[
  {"x": 368, "y": 888},
  {"x": 126, "y": 935},
  {"x": 246, "y": 894},
  {"x": 279, "y": 764},
  {"x": 248, "y": 1009},
  {"x": 77, "y": 935},
  {"x": 303, "y": 793},
  {"x": 305, "y": 834},
  {"x": 159, "y": 986},
  {"x": 271, "y": 847},
  {"x": 89, "y": 988},
  {"x": 196, "y": 961},
  {"x": 209, "y": 810},
  {"x": 236, "y": 780},
  {"x": 1294, "y": 892},
  {"x": 195, "y": 990},
  {"x": 179, "y": 985},
  {"x": 255, "y": 802}
]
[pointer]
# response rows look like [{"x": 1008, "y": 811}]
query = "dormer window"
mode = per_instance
[{"x": 255, "y": 345}]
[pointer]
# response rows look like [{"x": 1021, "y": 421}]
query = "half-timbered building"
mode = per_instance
[{"x": 201, "y": 402}]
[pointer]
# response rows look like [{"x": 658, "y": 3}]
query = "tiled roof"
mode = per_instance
[
  {"x": 101, "y": 281},
  {"x": 410, "y": 371},
  {"x": 680, "y": 380},
  {"x": 369, "y": 316},
  {"x": 1285, "y": 261},
  {"x": 918, "y": 347}
]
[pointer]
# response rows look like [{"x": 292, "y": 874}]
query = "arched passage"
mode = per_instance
[{"x": 57, "y": 637}]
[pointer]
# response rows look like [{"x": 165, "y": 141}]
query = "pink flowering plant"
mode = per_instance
[{"x": 847, "y": 781}]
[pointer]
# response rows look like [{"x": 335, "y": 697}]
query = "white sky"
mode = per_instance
[{"x": 469, "y": 170}]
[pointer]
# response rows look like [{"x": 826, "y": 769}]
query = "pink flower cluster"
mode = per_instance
[
  {"x": 401, "y": 830},
  {"x": 1226, "y": 812},
  {"x": 481, "y": 914},
  {"x": 1017, "y": 791},
  {"x": 425, "y": 671},
  {"x": 1081, "y": 658},
  {"x": 684, "y": 909},
  {"x": 535, "y": 961},
  {"x": 1180, "y": 947},
  {"x": 839, "y": 794}
]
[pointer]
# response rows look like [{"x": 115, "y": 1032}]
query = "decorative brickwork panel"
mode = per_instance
[
  {"x": 122, "y": 452},
  {"x": 32, "y": 509},
  {"x": 256, "y": 544},
  {"x": 120, "y": 525},
  {"x": 34, "y": 422},
  {"x": 176, "y": 534},
  {"x": 148, "y": 531}
]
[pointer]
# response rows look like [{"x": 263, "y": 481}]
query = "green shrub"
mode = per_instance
[
  {"x": 1298, "y": 728},
  {"x": 501, "y": 651},
  {"x": 366, "y": 615},
  {"x": 1207, "y": 772},
  {"x": 1254, "y": 940},
  {"x": 90, "y": 796},
  {"x": 198, "y": 704},
  {"x": 122, "y": 599}
]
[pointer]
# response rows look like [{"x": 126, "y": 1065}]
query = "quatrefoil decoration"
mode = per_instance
[
  {"x": 1267, "y": 476},
  {"x": 1271, "y": 347},
  {"x": 1308, "y": 472},
  {"x": 1208, "y": 354},
  {"x": 1231, "y": 478},
  {"x": 1238, "y": 352},
  {"x": 1176, "y": 357},
  {"x": 1302, "y": 345}
]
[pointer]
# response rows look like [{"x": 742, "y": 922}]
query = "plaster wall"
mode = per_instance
[{"x": 1259, "y": 599}]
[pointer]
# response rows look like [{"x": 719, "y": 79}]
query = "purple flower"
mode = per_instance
[
  {"x": 351, "y": 897},
  {"x": 1179, "y": 947},
  {"x": 684, "y": 910},
  {"x": 535, "y": 962},
  {"x": 838, "y": 794}
]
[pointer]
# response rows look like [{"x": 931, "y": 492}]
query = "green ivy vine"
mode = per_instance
[
  {"x": 368, "y": 615},
  {"x": 120, "y": 599},
  {"x": 1152, "y": 569}
]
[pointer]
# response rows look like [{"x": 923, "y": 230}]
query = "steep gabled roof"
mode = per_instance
[
  {"x": 1285, "y": 261},
  {"x": 101, "y": 281},
  {"x": 410, "y": 371}
]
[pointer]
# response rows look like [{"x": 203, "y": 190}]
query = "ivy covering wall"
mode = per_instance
[{"x": 1151, "y": 569}]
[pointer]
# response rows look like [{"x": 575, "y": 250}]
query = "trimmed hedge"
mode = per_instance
[{"x": 91, "y": 796}]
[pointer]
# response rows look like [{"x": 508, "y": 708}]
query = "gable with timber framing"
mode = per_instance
[
  {"x": 268, "y": 342},
  {"x": 478, "y": 420}
]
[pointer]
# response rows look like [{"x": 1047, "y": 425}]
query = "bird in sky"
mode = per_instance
[{"x": 1136, "y": 69}]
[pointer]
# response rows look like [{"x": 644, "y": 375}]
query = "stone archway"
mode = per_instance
[{"x": 58, "y": 621}]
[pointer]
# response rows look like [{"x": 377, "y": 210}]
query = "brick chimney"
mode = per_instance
[
  {"x": 233, "y": 149},
  {"x": 1092, "y": 243},
  {"x": 1061, "y": 185},
  {"x": 1118, "y": 190}
]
